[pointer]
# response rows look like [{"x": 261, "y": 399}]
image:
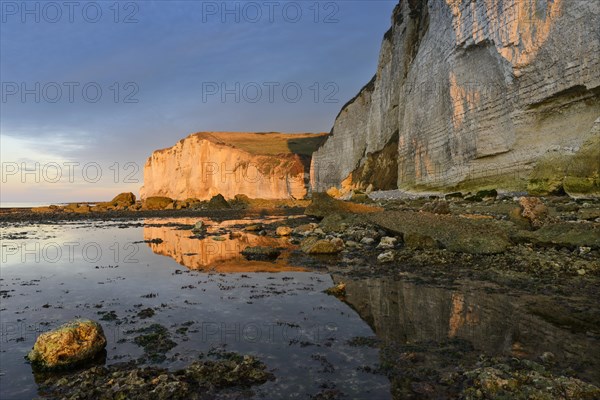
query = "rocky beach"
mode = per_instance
[{"x": 441, "y": 241}]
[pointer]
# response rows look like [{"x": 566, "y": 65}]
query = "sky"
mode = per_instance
[{"x": 90, "y": 89}]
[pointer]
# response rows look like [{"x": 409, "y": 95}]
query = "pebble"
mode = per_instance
[
  {"x": 386, "y": 257},
  {"x": 367, "y": 240},
  {"x": 387, "y": 242}
]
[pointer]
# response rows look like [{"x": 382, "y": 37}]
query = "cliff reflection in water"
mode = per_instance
[
  {"x": 221, "y": 255},
  {"x": 404, "y": 312}
]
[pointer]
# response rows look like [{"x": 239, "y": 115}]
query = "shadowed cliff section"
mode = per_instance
[
  {"x": 479, "y": 95},
  {"x": 267, "y": 165}
]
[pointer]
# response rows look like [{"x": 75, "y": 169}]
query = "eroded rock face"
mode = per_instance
[
  {"x": 258, "y": 165},
  {"x": 474, "y": 94},
  {"x": 69, "y": 345}
]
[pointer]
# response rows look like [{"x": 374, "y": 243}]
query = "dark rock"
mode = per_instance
[{"x": 261, "y": 253}]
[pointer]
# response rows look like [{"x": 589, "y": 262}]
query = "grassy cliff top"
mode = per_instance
[{"x": 267, "y": 143}]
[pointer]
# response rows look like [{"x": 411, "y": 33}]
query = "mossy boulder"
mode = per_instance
[{"x": 69, "y": 345}]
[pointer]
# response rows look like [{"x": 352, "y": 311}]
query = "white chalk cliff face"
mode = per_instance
[
  {"x": 470, "y": 94},
  {"x": 259, "y": 165}
]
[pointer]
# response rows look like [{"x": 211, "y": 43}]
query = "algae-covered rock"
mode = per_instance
[
  {"x": 569, "y": 235},
  {"x": 582, "y": 179},
  {"x": 313, "y": 245},
  {"x": 203, "y": 379},
  {"x": 521, "y": 380},
  {"x": 461, "y": 235},
  {"x": 70, "y": 344}
]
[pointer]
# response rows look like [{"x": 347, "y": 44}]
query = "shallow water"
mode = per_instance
[
  {"x": 276, "y": 311},
  {"x": 283, "y": 318}
]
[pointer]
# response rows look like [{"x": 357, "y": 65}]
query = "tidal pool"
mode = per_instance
[
  {"x": 54, "y": 273},
  {"x": 209, "y": 297}
]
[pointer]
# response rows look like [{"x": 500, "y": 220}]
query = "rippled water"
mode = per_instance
[{"x": 208, "y": 296}]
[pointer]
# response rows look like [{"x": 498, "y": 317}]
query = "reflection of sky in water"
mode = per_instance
[{"x": 283, "y": 318}]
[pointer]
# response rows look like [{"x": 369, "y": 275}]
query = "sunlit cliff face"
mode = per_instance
[
  {"x": 518, "y": 28},
  {"x": 219, "y": 251}
]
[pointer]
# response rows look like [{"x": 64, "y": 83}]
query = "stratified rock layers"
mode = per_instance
[
  {"x": 259, "y": 165},
  {"x": 474, "y": 94}
]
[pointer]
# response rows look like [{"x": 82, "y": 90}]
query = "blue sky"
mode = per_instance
[{"x": 102, "y": 84}]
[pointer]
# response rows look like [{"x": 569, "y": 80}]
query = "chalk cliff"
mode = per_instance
[
  {"x": 473, "y": 94},
  {"x": 259, "y": 165}
]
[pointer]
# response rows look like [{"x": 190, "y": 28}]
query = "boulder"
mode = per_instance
[
  {"x": 69, "y": 345},
  {"x": 261, "y": 253},
  {"x": 437, "y": 207},
  {"x": 157, "y": 203},
  {"x": 533, "y": 209},
  {"x": 126, "y": 198},
  {"x": 385, "y": 257},
  {"x": 387, "y": 242},
  {"x": 313, "y": 245},
  {"x": 283, "y": 231},
  {"x": 199, "y": 227},
  {"x": 218, "y": 202}
]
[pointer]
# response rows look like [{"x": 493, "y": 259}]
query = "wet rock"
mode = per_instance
[
  {"x": 385, "y": 257},
  {"x": 387, "y": 242},
  {"x": 339, "y": 222},
  {"x": 146, "y": 313},
  {"x": 322, "y": 205},
  {"x": 156, "y": 203},
  {"x": 43, "y": 210},
  {"x": 520, "y": 380},
  {"x": 437, "y": 207},
  {"x": 69, "y": 345},
  {"x": 338, "y": 290},
  {"x": 199, "y": 227},
  {"x": 482, "y": 195},
  {"x": 416, "y": 241},
  {"x": 283, "y": 231},
  {"x": 156, "y": 342},
  {"x": 305, "y": 229},
  {"x": 533, "y": 209},
  {"x": 253, "y": 228},
  {"x": 261, "y": 253},
  {"x": 569, "y": 235},
  {"x": 218, "y": 202},
  {"x": 367, "y": 241},
  {"x": 461, "y": 235},
  {"x": 454, "y": 196},
  {"x": 313, "y": 245},
  {"x": 204, "y": 379}
]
